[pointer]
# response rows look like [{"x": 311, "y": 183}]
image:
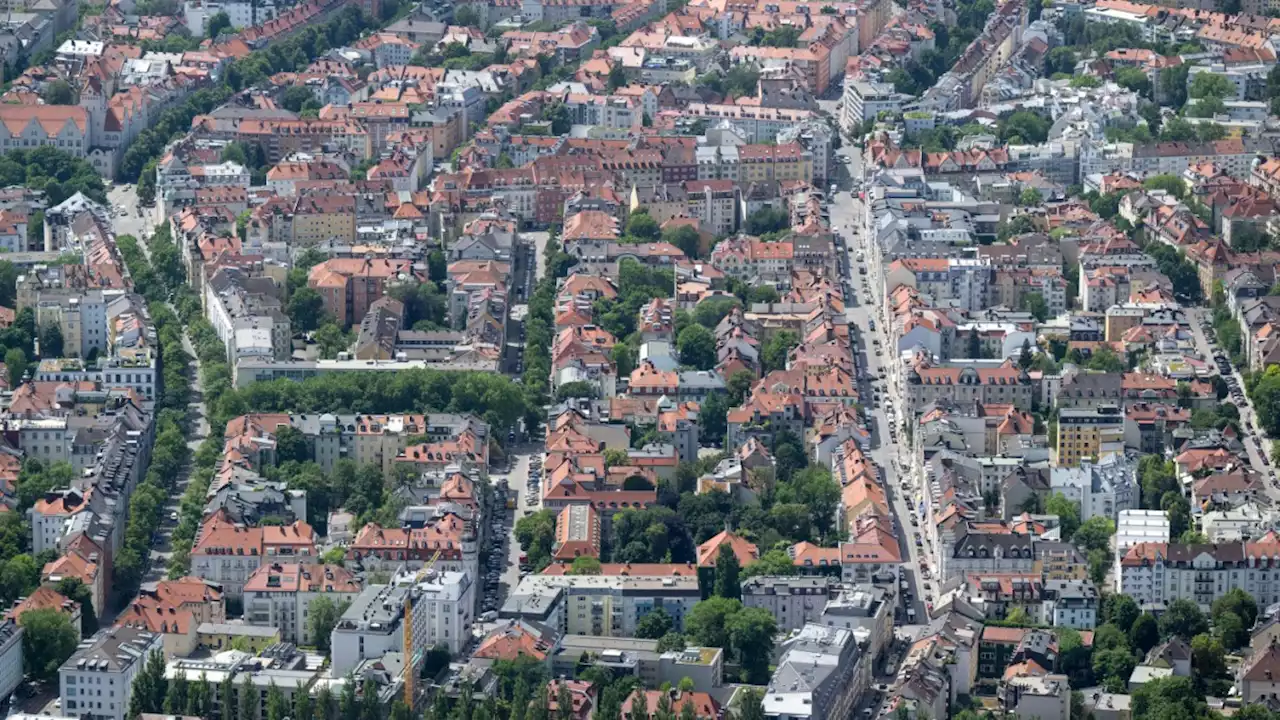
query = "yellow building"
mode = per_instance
[
  {"x": 765, "y": 163},
  {"x": 1089, "y": 433},
  {"x": 227, "y": 636}
]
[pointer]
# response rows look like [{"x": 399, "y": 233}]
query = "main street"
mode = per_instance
[
  {"x": 1255, "y": 442},
  {"x": 141, "y": 226},
  {"x": 863, "y": 300}
]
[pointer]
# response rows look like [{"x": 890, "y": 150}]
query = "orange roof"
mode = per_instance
[
  {"x": 511, "y": 642},
  {"x": 709, "y": 551},
  {"x": 634, "y": 569},
  {"x": 300, "y": 577},
  {"x": 43, "y": 598}
]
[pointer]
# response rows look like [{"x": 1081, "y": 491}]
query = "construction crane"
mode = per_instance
[{"x": 413, "y": 658}]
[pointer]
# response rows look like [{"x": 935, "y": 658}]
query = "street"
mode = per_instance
[
  {"x": 888, "y": 449},
  {"x": 1256, "y": 444}
]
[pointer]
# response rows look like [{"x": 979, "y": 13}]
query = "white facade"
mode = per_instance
[
  {"x": 97, "y": 680},
  {"x": 10, "y": 657},
  {"x": 1100, "y": 490},
  {"x": 1141, "y": 526},
  {"x": 1157, "y": 574},
  {"x": 442, "y": 607}
]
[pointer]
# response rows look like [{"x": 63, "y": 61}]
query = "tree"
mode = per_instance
[
  {"x": 767, "y": 220},
  {"x": 1067, "y": 511},
  {"x": 1145, "y": 633},
  {"x": 48, "y": 639},
  {"x": 585, "y": 565},
  {"x": 654, "y": 625},
  {"x": 466, "y": 16},
  {"x": 727, "y": 570},
  {"x": 672, "y": 641},
  {"x": 1030, "y": 197},
  {"x": 323, "y": 615},
  {"x": 1035, "y": 304},
  {"x": 1113, "y": 667},
  {"x": 697, "y": 347},
  {"x": 15, "y": 361},
  {"x": 707, "y": 622},
  {"x": 778, "y": 349},
  {"x": 751, "y": 632},
  {"x": 306, "y": 309},
  {"x": 1237, "y": 602},
  {"x": 331, "y": 339},
  {"x": 684, "y": 237},
  {"x": 59, "y": 92},
  {"x": 774, "y": 562},
  {"x": 1208, "y": 657},
  {"x": 75, "y": 590},
  {"x": 1133, "y": 79},
  {"x": 536, "y": 534},
  {"x": 216, "y": 24},
  {"x": 751, "y": 706},
  {"x": 1099, "y": 564},
  {"x": 617, "y": 76},
  {"x": 1121, "y": 611},
  {"x": 641, "y": 225},
  {"x": 248, "y": 699},
  {"x": 1094, "y": 533},
  {"x": 277, "y": 706},
  {"x": 1211, "y": 85},
  {"x": 1183, "y": 619}
]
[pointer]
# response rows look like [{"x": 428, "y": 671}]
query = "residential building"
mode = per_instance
[
  {"x": 1155, "y": 574},
  {"x": 438, "y": 605},
  {"x": 97, "y": 680},
  {"x": 793, "y": 601},
  {"x": 280, "y": 594},
  {"x": 228, "y": 553},
  {"x": 820, "y": 675},
  {"x": 1089, "y": 433},
  {"x": 11, "y": 671}
]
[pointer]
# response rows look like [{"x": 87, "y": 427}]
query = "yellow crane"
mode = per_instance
[{"x": 413, "y": 658}]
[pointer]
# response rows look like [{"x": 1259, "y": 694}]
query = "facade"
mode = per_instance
[
  {"x": 10, "y": 657},
  {"x": 1089, "y": 433},
  {"x": 793, "y": 601},
  {"x": 603, "y": 605},
  {"x": 96, "y": 681},
  {"x": 279, "y": 595},
  {"x": 1155, "y": 574},
  {"x": 820, "y": 675},
  {"x": 440, "y": 607}
]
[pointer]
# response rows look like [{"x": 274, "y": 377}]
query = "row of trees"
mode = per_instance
[{"x": 152, "y": 692}]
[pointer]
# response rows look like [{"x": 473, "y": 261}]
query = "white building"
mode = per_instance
[
  {"x": 793, "y": 601},
  {"x": 864, "y": 101},
  {"x": 96, "y": 681},
  {"x": 820, "y": 675},
  {"x": 1070, "y": 603},
  {"x": 280, "y": 594},
  {"x": 10, "y": 657},
  {"x": 1099, "y": 489},
  {"x": 1140, "y": 526},
  {"x": 1241, "y": 523},
  {"x": 1031, "y": 697},
  {"x": 441, "y": 609},
  {"x": 1155, "y": 574},
  {"x": 607, "y": 605},
  {"x": 241, "y": 13}
]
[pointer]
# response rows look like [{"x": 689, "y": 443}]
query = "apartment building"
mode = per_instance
[
  {"x": 966, "y": 383},
  {"x": 248, "y": 315},
  {"x": 609, "y": 604},
  {"x": 228, "y": 553},
  {"x": 1089, "y": 433},
  {"x": 1157, "y": 573},
  {"x": 1103, "y": 488},
  {"x": 793, "y": 601},
  {"x": 280, "y": 594},
  {"x": 863, "y": 101},
  {"x": 439, "y": 607},
  {"x": 349, "y": 286},
  {"x": 97, "y": 680},
  {"x": 820, "y": 675},
  {"x": 11, "y": 671}
]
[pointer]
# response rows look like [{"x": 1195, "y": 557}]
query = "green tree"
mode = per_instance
[
  {"x": 1121, "y": 611},
  {"x": 75, "y": 590},
  {"x": 322, "y": 616},
  {"x": 1113, "y": 667},
  {"x": 216, "y": 24},
  {"x": 306, "y": 309},
  {"x": 1183, "y": 619},
  {"x": 751, "y": 632},
  {"x": 1067, "y": 511},
  {"x": 641, "y": 225},
  {"x": 777, "y": 350},
  {"x": 774, "y": 562},
  {"x": 697, "y": 347},
  {"x": 585, "y": 565},
  {"x": 248, "y": 699},
  {"x": 536, "y": 534},
  {"x": 15, "y": 362},
  {"x": 1094, "y": 534},
  {"x": 1211, "y": 85},
  {"x": 48, "y": 639},
  {"x": 727, "y": 571},
  {"x": 1030, "y": 197},
  {"x": 1035, "y": 304},
  {"x": 59, "y": 92},
  {"x": 1145, "y": 633},
  {"x": 655, "y": 624},
  {"x": 707, "y": 623}
]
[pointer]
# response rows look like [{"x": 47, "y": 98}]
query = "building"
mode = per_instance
[
  {"x": 1101, "y": 489},
  {"x": 609, "y": 604},
  {"x": 1089, "y": 433},
  {"x": 97, "y": 680},
  {"x": 820, "y": 675},
  {"x": 863, "y": 608},
  {"x": 1070, "y": 603},
  {"x": 438, "y": 605},
  {"x": 793, "y": 601},
  {"x": 863, "y": 101},
  {"x": 280, "y": 594},
  {"x": 1032, "y": 696},
  {"x": 228, "y": 553},
  {"x": 1155, "y": 574},
  {"x": 349, "y": 286},
  {"x": 11, "y": 671}
]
